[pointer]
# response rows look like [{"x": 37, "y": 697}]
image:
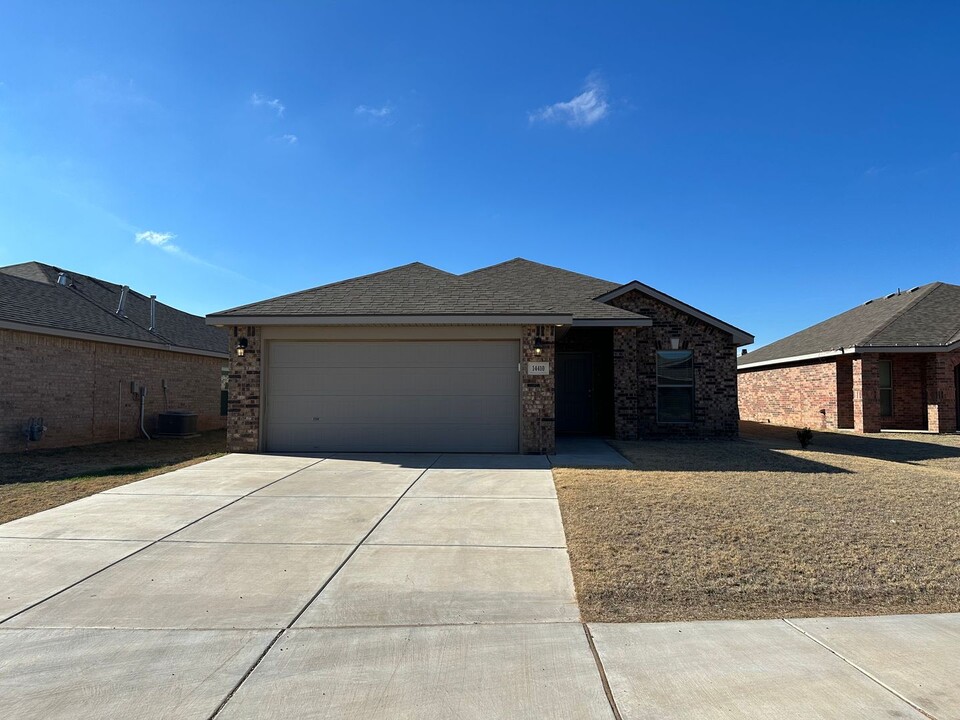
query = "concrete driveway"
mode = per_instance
[{"x": 407, "y": 586}]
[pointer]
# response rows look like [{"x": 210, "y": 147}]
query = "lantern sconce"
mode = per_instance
[
  {"x": 241, "y": 347},
  {"x": 538, "y": 346}
]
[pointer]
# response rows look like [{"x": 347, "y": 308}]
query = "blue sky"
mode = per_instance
[{"x": 770, "y": 162}]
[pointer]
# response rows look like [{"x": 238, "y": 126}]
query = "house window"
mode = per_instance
[
  {"x": 674, "y": 386},
  {"x": 886, "y": 388}
]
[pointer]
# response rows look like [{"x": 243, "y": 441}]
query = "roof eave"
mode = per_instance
[
  {"x": 852, "y": 350},
  {"x": 613, "y": 322},
  {"x": 425, "y": 319},
  {"x": 110, "y": 339}
]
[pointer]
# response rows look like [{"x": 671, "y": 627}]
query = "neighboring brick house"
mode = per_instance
[
  {"x": 891, "y": 364},
  {"x": 500, "y": 359},
  {"x": 72, "y": 354}
]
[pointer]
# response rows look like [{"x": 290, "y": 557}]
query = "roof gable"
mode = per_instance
[{"x": 740, "y": 337}]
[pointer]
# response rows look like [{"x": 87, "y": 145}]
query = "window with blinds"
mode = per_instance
[{"x": 675, "y": 386}]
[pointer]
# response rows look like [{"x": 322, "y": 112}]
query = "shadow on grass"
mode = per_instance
[
  {"x": 875, "y": 446},
  {"x": 127, "y": 457},
  {"x": 717, "y": 456}
]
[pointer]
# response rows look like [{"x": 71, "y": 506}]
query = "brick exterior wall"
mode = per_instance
[
  {"x": 715, "y": 372},
  {"x": 942, "y": 391},
  {"x": 538, "y": 392},
  {"x": 625, "y": 383},
  {"x": 81, "y": 389},
  {"x": 243, "y": 398},
  {"x": 848, "y": 389},
  {"x": 795, "y": 395},
  {"x": 844, "y": 393}
]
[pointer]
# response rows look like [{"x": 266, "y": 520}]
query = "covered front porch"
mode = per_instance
[{"x": 917, "y": 391}]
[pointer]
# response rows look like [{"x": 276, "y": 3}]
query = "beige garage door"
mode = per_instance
[{"x": 393, "y": 396}]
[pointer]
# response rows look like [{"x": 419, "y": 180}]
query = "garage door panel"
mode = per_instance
[
  {"x": 405, "y": 437},
  {"x": 392, "y": 381},
  {"x": 391, "y": 354},
  {"x": 400, "y": 396}
]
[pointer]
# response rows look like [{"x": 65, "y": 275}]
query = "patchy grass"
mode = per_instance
[
  {"x": 759, "y": 528},
  {"x": 41, "y": 479}
]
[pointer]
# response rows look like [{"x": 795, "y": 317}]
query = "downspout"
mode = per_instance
[{"x": 143, "y": 398}]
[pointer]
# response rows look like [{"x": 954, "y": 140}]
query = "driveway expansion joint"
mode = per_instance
[
  {"x": 861, "y": 670},
  {"x": 149, "y": 544},
  {"x": 323, "y": 586}
]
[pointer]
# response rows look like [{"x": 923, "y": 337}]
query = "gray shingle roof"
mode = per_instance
[
  {"x": 517, "y": 287},
  {"x": 928, "y": 315},
  {"x": 30, "y": 295}
]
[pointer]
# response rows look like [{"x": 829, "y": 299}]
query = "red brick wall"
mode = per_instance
[
  {"x": 81, "y": 389},
  {"x": 793, "y": 395},
  {"x": 845, "y": 393},
  {"x": 942, "y": 391},
  {"x": 924, "y": 393}
]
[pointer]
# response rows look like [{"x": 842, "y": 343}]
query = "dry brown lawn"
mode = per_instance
[
  {"x": 759, "y": 528},
  {"x": 41, "y": 479}
]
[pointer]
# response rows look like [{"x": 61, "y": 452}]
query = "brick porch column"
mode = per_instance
[
  {"x": 625, "y": 392},
  {"x": 941, "y": 393},
  {"x": 538, "y": 392},
  {"x": 866, "y": 393},
  {"x": 243, "y": 392}
]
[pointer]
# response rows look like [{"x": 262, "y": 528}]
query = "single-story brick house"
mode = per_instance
[
  {"x": 78, "y": 352},
  {"x": 495, "y": 360},
  {"x": 891, "y": 363}
]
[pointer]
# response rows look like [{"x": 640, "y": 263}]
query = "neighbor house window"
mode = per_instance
[
  {"x": 886, "y": 388},
  {"x": 675, "y": 386}
]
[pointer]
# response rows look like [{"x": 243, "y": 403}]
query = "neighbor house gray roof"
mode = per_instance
[
  {"x": 516, "y": 291},
  {"x": 923, "y": 317},
  {"x": 30, "y": 298}
]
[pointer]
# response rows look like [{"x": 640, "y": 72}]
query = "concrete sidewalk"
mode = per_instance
[{"x": 395, "y": 586}]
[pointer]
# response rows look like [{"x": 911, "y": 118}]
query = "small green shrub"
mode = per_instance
[{"x": 805, "y": 436}]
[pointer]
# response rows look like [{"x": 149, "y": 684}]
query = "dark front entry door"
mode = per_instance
[{"x": 575, "y": 408}]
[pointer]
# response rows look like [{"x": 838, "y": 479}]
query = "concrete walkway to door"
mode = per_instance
[{"x": 407, "y": 586}]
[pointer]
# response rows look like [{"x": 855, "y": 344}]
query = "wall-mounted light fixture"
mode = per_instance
[
  {"x": 241, "y": 347},
  {"x": 674, "y": 343},
  {"x": 538, "y": 346}
]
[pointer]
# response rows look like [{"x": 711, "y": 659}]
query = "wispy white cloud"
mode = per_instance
[
  {"x": 258, "y": 100},
  {"x": 378, "y": 112},
  {"x": 158, "y": 239},
  {"x": 163, "y": 241},
  {"x": 382, "y": 114},
  {"x": 584, "y": 110},
  {"x": 290, "y": 139}
]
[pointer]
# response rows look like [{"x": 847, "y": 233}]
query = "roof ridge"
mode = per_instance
[
  {"x": 334, "y": 284},
  {"x": 545, "y": 265},
  {"x": 897, "y": 315}
]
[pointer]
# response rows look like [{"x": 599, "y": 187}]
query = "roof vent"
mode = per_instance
[
  {"x": 887, "y": 297},
  {"x": 153, "y": 313},
  {"x": 62, "y": 279},
  {"x": 914, "y": 289},
  {"x": 123, "y": 299},
  {"x": 868, "y": 302}
]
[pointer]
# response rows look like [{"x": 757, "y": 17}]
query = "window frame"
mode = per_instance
[
  {"x": 691, "y": 385},
  {"x": 885, "y": 388}
]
